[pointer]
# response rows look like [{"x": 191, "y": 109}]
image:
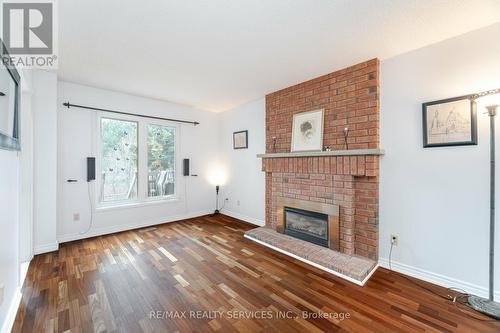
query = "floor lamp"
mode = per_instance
[
  {"x": 217, "y": 177},
  {"x": 216, "y": 200},
  {"x": 488, "y": 305}
]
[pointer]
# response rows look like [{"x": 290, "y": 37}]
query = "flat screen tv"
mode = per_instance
[{"x": 10, "y": 95}]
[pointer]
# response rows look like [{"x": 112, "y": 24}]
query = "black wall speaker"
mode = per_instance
[
  {"x": 185, "y": 167},
  {"x": 90, "y": 168}
]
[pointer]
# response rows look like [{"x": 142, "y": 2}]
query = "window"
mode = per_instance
[
  {"x": 118, "y": 160},
  {"x": 137, "y": 161},
  {"x": 161, "y": 160}
]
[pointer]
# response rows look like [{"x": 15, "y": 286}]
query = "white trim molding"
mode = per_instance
[
  {"x": 130, "y": 226},
  {"x": 245, "y": 218},
  {"x": 39, "y": 249},
  {"x": 23, "y": 272},
  {"x": 323, "y": 268},
  {"x": 16, "y": 300},
  {"x": 438, "y": 279},
  {"x": 12, "y": 312}
]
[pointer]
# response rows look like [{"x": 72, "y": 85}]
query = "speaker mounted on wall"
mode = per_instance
[
  {"x": 185, "y": 167},
  {"x": 90, "y": 169}
]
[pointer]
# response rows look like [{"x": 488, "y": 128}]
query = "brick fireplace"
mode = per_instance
[{"x": 344, "y": 178}]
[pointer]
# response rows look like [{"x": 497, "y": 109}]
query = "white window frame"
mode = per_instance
[{"x": 142, "y": 163}]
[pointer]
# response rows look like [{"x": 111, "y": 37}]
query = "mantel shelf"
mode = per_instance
[{"x": 354, "y": 152}]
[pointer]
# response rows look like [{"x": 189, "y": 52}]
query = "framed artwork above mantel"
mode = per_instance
[
  {"x": 449, "y": 122},
  {"x": 307, "y": 131}
]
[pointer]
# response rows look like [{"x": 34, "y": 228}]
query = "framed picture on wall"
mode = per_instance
[
  {"x": 240, "y": 140},
  {"x": 449, "y": 122},
  {"x": 307, "y": 131}
]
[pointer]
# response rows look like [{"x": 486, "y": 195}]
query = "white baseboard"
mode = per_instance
[
  {"x": 12, "y": 312},
  {"x": 438, "y": 279},
  {"x": 16, "y": 300},
  {"x": 39, "y": 249},
  {"x": 245, "y": 218},
  {"x": 124, "y": 227},
  {"x": 23, "y": 272},
  {"x": 323, "y": 268}
]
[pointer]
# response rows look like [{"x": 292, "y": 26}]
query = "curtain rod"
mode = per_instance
[{"x": 68, "y": 105}]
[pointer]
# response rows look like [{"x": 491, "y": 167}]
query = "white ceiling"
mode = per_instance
[{"x": 217, "y": 54}]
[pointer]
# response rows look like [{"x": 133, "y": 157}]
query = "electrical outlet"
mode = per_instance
[
  {"x": 394, "y": 240},
  {"x": 237, "y": 203},
  {"x": 2, "y": 287},
  {"x": 76, "y": 217}
]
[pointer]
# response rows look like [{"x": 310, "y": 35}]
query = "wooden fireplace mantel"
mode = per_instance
[{"x": 354, "y": 152}]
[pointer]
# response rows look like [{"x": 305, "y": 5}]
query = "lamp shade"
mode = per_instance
[{"x": 217, "y": 175}]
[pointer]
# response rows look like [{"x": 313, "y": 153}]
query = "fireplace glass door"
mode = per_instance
[{"x": 307, "y": 225}]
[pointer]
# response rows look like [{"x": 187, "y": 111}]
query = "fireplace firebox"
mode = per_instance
[{"x": 307, "y": 225}]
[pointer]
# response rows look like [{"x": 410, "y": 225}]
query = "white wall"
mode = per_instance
[
  {"x": 245, "y": 185},
  {"x": 77, "y": 137},
  {"x": 437, "y": 199},
  {"x": 45, "y": 160},
  {"x": 14, "y": 233},
  {"x": 9, "y": 229}
]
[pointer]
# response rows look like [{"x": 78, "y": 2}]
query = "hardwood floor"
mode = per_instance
[{"x": 135, "y": 281}]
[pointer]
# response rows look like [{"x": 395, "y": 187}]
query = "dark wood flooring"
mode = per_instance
[{"x": 135, "y": 281}]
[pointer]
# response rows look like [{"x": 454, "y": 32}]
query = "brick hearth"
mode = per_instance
[{"x": 349, "y": 98}]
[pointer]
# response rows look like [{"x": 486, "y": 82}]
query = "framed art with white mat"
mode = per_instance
[
  {"x": 307, "y": 131},
  {"x": 450, "y": 122}
]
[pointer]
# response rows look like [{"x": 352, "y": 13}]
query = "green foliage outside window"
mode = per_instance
[
  {"x": 161, "y": 160},
  {"x": 119, "y": 159}
]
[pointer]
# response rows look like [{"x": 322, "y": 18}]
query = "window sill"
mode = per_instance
[{"x": 137, "y": 204}]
